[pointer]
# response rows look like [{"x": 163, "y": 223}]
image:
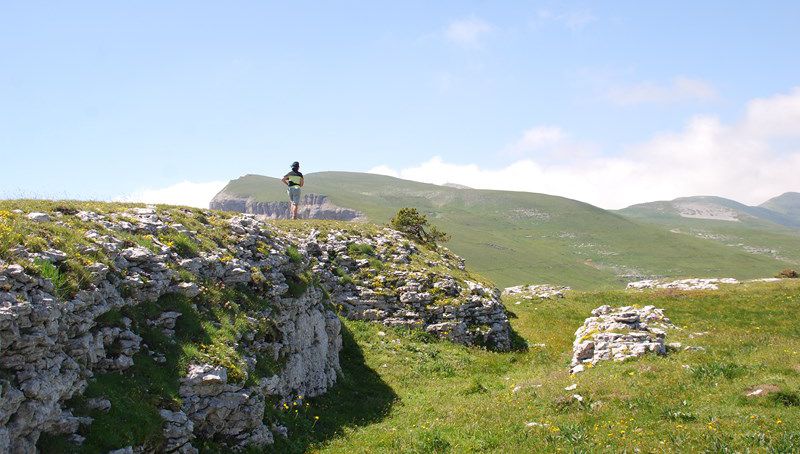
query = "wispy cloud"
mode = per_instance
[
  {"x": 750, "y": 161},
  {"x": 679, "y": 89},
  {"x": 572, "y": 19},
  {"x": 186, "y": 193},
  {"x": 467, "y": 32}
]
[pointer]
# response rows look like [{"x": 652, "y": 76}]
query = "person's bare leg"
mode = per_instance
[{"x": 294, "y": 211}]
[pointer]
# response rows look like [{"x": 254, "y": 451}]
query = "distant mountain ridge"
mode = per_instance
[
  {"x": 787, "y": 204},
  {"x": 518, "y": 237},
  {"x": 783, "y": 210}
]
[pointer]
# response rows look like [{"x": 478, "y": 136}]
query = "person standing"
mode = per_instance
[{"x": 294, "y": 181}]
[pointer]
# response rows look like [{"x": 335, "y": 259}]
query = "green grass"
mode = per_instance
[
  {"x": 294, "y": 255},
  {"x": 434, "y": 396},
  {"x": 516, "y": 237},
  {"x": 360, "y": 250}
]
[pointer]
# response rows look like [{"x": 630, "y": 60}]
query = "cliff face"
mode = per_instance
[
  {"x": 163, "y": 328},
  {"x": 312, "y": 206}
]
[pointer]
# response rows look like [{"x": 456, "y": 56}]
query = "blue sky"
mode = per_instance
[{"x": 591, "y": 100}]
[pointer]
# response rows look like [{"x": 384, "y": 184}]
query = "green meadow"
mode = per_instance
[{"x": 404, "y": 392}]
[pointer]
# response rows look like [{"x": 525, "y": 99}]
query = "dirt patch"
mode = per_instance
[{"x": 761, "y": 390}]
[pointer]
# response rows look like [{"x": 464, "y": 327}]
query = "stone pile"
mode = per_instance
[
  {"x": 683, "y": 284},
  {"x": 618, "y": 334},
  {"x": 536, "y": 291}
]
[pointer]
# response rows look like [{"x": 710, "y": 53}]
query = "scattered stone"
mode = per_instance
[
  {"x": 126, "y": 450},
  {"x": 39, "y": 217},
  {"x": 537, "y": 424},
  {"x": 683, "y": 284},
  {"x": 188, "y": 289},
  {"x": 98, "y": 404},
  {"x": 571, "y": 387},
  {"x": 279, "y": 430},
  {"x": 178, "y": 432},
  {"x": 76, "y": 439},
  {"x": 536, "y": 291},
  {"x": 761, "y": 390}
]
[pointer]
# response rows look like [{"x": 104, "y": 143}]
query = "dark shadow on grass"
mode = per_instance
[
  {"x": 518, "y": 343},
  {"x": 359, "y": 398}
]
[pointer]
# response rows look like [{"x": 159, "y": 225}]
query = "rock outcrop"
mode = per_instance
[
  {"x": 382, "y": 277},
  {"x": 619, "y": 334},
  {"x": 92, "y": 296},
  {"x": 53, "y": 342},
  {"x": 536, "y": 291},
  {"x": 312, "y": 206}
]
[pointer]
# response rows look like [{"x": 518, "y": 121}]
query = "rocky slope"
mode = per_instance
[{"x": 167, "y": 329}]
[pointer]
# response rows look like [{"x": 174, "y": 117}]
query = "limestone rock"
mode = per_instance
[
  {"x": 683, "y": 284},
  {"x": 536, "y": 291},
  {"x": 619, "y": 334},
  {"x": 39, "y": 217}
]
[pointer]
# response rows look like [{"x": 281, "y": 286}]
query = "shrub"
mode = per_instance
[
  {"x": 297, "y": 285},
  {"x": 359, "y": 249},
  {"x": 184, "y": 246},
  {"x": 788, "y": 273},
  {"x": 61, "y": 284},
  {"x": 294, "y": 255},
  {"x": 416, "y": 225}
]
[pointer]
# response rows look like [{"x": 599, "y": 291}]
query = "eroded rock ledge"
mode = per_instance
[{"x": 142, "y": 275}]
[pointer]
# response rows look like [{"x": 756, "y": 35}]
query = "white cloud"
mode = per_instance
[
  {"x": 776, "y": 116},
  {"x": 184, "y": 193},
  {"x": 742, "y": 161},
  {"x": 383, "y": 170},
  {"x": 467, "y": 32},
  {"x": 536, "y": 139},
  {"x": 680, "y": 89}
]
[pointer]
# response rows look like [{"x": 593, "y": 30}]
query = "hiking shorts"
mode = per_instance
[{"x": 294, "y": 194}]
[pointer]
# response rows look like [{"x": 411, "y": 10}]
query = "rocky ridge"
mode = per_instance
[
  {"x": 385, "y": 278},
  {"x": 55, "y": 343},
  {"x": 56, "y": 339}
]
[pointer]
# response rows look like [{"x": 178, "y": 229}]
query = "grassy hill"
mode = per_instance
[
  {"x": 406, "y": 393},
  {"x": 756, "y": 230},
  {"x": 787, "y": 204},
  {"x": 518, "y": 237}
]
